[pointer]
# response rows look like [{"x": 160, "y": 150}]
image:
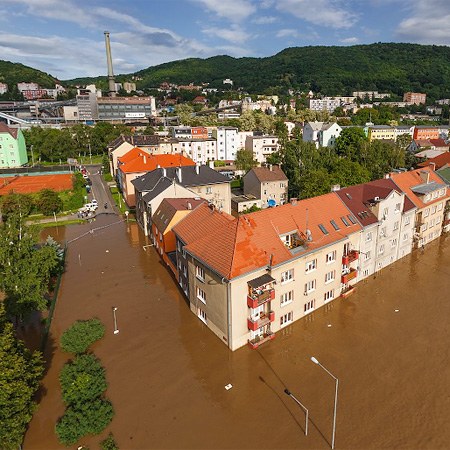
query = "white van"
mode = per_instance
[{"x": 90, "y": 207}]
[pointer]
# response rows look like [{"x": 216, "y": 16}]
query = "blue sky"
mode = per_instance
[{"x": 65, "y": 37}]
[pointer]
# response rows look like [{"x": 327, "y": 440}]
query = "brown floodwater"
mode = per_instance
[{"x": 388, "y": 344}]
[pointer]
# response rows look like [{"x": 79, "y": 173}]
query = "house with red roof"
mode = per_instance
[
  {"x": 249, "y": 277},
  {"x": 13, "y": 150},
  {"x": 137, "y": 162},
  {"x": 438, "y": 162},
  {"x": 430, "y": 195}
]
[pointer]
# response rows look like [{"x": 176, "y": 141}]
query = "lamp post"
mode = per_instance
[
  {"x": 116, "y": 330},
  {"x": 315, "y": 361},
  {"x": 288, "y": 392}
]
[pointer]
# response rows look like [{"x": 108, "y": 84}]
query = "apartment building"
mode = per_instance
[
  {"x": 200, "y": 150},
  {"x": 248, "y": 277},
  {"x": 262, "y": 147},
  {"x": 3, "y": 88},
  {"x": 385, "y": 132},
  {"x": 323, "y": 104},
  {"x": 227, "y": 143},
  {"x": 125, "y": 108},
  {"x": 322, "y": 134},
  {"x": 13, "y": 150},
  {"x": 414, "y": 98},
  {"x": 269, "y": 184},
  {"x": 425, "y": 132},
  {"x": 430, "y": 195}
]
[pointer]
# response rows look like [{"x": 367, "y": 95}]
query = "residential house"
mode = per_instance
[
  {"x": 384, "y": 132},
  {"x": 167, "y": 215},
  {"x": 429, "y": 194},
  {"x": 438, "y": 162},
  {"x": 13, "y": 150},
  {"x": 323, "y": 134},
  {"x": 434, "y": 147},
  {"x": 425, "y": 132},
  {"x": 136, "y": 163},
  {"x": 249, "y": 277},
  {"x": 179, "y": 182},
  {"x": 414, "y": 98},
  {"x": 227, "y": 143},
  {"x": 269, "y": 184},
  {"x": 262, "y": 147},
  {"x": 200, "y": 150}
]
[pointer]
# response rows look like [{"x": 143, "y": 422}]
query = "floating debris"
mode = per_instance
[{"x": 228, "y": 387}]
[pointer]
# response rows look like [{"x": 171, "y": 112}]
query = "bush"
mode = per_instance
[
  {"x": 48, "y": 202},
  {"x": 109, "y": 443},
  {"x": 81, "y": 335},
  {"x": 82, "y": 380},
  {"x": 78, "y": 421}
]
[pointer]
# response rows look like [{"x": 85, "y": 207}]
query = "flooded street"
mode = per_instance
[{"x": 167, "y": 372}]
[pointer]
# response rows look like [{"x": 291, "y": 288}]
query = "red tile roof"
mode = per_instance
[
  {"x": 265, "y": 174},
  {"x": 5, "y": 129},
  {"x": 138, "y": 160},
  {"x": 235, "y": 246},
  {"x": 440, "y": 161}
]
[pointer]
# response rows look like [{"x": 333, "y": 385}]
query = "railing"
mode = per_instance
[
  {"x": 255, "y": 343},
  {"x": 265, "y": 319},
  {"x": 350, "y": 257},
  {"x": 349, "y": 276},
  {"x": 254, "y": 300}
]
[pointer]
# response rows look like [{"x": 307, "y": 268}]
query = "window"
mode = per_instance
[
  {"x": 385, "y": 212},
  {"x": 208, "y": 190},
  {"x": 352, "y": 219},
  {"x": 328, "y": 295},
  {"x": 369, "y": 236},
  {"x": 309, "y": 306},
  {"x": 381, "y": 249},
  {"x": 442, "y": 192},
  {"x": 311, "y": 265},
  {"x": 287, "y": 276},
  {"x": 330, "y": 276},
  {"x": 439, "y": 207},
  {"x": 286, "y": 298},
  {"x": 405, "y": 237},
  {"x": 433, "y": 209},
  {"x": 310, "y": 286},
  {"x": 394, "y": 243},
  {"x": 397, "y": 207},
  {"x": 201, "y": 295},
  {"x": 407, "y": 220},
  {"x": 426, "y": 213},
  {"x": 200, "y": 273},
  {"x": 323, "y": 229},
  {"x": 330, "y": 257},
  {"x": 383, "y": 232},
  {"x": 286, "y": 319},
  {"x": 438, "y": 220},
  {"x": 367, "y": 256},
  {"x": 344, "y": 221},
  {"x": 335, "y": 225},
  {"x": 395, "y": 226},
  {"x": 201, "y": 315}
]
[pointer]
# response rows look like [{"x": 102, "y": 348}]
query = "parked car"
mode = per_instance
[
  {"x": 90, "y": 207},
  {"x": 94, "y": 201},
  {"x": 85, "y": 176}
]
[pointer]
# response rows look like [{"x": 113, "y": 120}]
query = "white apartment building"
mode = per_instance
[
  {"x": 262, "y": 146},
  {"x": 201, "y": 151},
  {"x": 227, "y": 143},
  {"x": 3, "y": 88}
]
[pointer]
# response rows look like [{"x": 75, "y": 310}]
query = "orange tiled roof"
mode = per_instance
[
  {"x": 235, "y": 246},
  {"x": 439, "y": 161},
  {"x": 138, "y": 160},
  {"x": 407, "y": 180},
  {"x": 5, "y": 129}
]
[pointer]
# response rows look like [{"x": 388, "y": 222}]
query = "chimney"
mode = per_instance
[
  {"x": 293, "y": 201},
  {"x": 271, "y": 167},
  {"x": 188, "y": 205},
  {"x": 211, "y": 164},
  {"x": 425, "y": 175},
  {"x": 433, "y": 166},
  {"x": 335, "y": 187},
  {"x": 145, "y": 158},
  {"x": 197, "y": 169},
  {"x": 164, "y": 171},
  {"x": 179, "y": 174},
  {"x": 111, "y": 83}
]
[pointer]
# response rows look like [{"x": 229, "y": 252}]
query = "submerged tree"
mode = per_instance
[{"x": 20, "y": 373}]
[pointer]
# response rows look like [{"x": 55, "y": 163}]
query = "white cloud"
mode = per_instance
[
  {"x": 327, "y": 13},
  {"x": 264, "y": 20},
  {"x": 232, "y": 34},
  {"x": 428, "y": 23},
  {"x": 287, "y": 32},
  {"x": 233, "y": 10},
  {"x": 349, "y": 40}
]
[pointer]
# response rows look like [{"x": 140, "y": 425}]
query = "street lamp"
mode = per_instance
[
  {"x": 288, "y": 392},
  {"x": 116, "y": 330},
  {"x": 315, "y": 361}
]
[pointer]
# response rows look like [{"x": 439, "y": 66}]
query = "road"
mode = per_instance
[{"x": 100, "y": 190}]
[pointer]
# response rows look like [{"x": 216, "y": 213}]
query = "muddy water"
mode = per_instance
[{"x": 167, "y": 372}]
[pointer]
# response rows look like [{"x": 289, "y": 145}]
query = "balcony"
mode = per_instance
[
  {"x": 446, "y": 222},
  {"x": 255, "y": 343},
  {"x": 348, "y": 291},
  {"x": 265, "y": 319},
  {"x": 349, "y": 276},
  {"x": 256, "y": 299},
  {"x": 350, "y": 257}
]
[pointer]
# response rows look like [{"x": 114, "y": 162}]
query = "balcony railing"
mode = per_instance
[
  {"x": 349, "y": 276},
  {"x": 255, "y": 343},
  {"x": 265, "y": 319},
  {"x": 256, "y": 299},
  {"x": 350, "y": 257}
]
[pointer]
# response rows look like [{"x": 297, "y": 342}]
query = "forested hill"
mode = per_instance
[
  {"x": 392, "y": 68},
  {"x": 13, "y": 73}
]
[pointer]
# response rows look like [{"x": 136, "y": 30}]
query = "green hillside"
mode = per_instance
[
  {"x": 13, "y": 73},
  {"x": 389, "y": 67}
]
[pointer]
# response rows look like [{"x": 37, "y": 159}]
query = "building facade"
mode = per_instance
[{"x": 13, "y": 150}]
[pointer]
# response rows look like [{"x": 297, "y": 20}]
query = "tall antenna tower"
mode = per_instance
[{"x": 111, "y": 83}]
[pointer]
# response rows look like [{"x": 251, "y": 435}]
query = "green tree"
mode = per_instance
[
  {"x": 404, "y": 140},
  {"x": 16, "y": 204},
  {"x": 49, "y": 202},
  {"x": 25, "y": 267},
  {"x": 244, "y": 160},
  {"x": 20, "y": 373},
  {"x": 109, "y": 443},
  {"x": 184, "y": 113},
  {"x": 350, "y": 142},
  {"x": 82, "y": 380},
  {"x": 81, "y": 335},
  {"x": 83, "y": 419},
  {"x": 315, "y": 182}
]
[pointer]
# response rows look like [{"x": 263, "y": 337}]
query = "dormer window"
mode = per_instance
[{"x": 292, "y": 240}]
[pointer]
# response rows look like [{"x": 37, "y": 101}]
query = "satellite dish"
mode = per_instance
[{"x": 271, "y": 202}]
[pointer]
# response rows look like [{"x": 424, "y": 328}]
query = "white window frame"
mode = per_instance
[
  {"x": 369, "y": 236},
  {"x": 309, "y": 307},
  {"x": 287, "y": 276},
  {"x": 310, "y": 286},
  {"x": 311, "y": 266},
  {"x": 330, "y": 257},
  {"x": 200, "y": 273},
  {"x": 201, "y": 295},
  {"x": 330, "y": 276},
  {"x": 202, "y": 315},
  {"x": 329, "y": 295},
  {"x": 286, "y": 298},
  {"x": 286, "y": 319}
]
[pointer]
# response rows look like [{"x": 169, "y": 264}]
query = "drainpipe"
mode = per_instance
[{"x": 229, "y": 312}]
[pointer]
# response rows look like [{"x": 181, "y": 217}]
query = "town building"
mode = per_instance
[
  {"x": 129, "y": 87},
  {"x": 249, "y": 277},
  {"x": 262, "y": 147},
  {"x": 414, "y": 98},
  {"x": 429, "y": 194},
  {"x": 137, "y": 162},
  {"x": 13, "y": 150},
  {"x": 269, "y": 184},
  {"x": 227, "y": 143},
  {"x": 425, "y": 132},
  {"x": 179, "y": 182},
  {"x": 322, "y": 134},
  {"x": 87, "y": 105},
  {"x": 243, "y": 203},
  {"x": 323, "y": 104},
  {"x": 3, "y": 88},
  {"x": 201, "y": 151},
  {"x": 126, "y": 108},
  {"x": 383, "y": 132}
]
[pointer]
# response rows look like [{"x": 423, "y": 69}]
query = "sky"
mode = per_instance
[{"x": 65, "y": 37}]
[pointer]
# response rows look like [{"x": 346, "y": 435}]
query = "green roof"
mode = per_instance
[{"x": 444, "y": 174}]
